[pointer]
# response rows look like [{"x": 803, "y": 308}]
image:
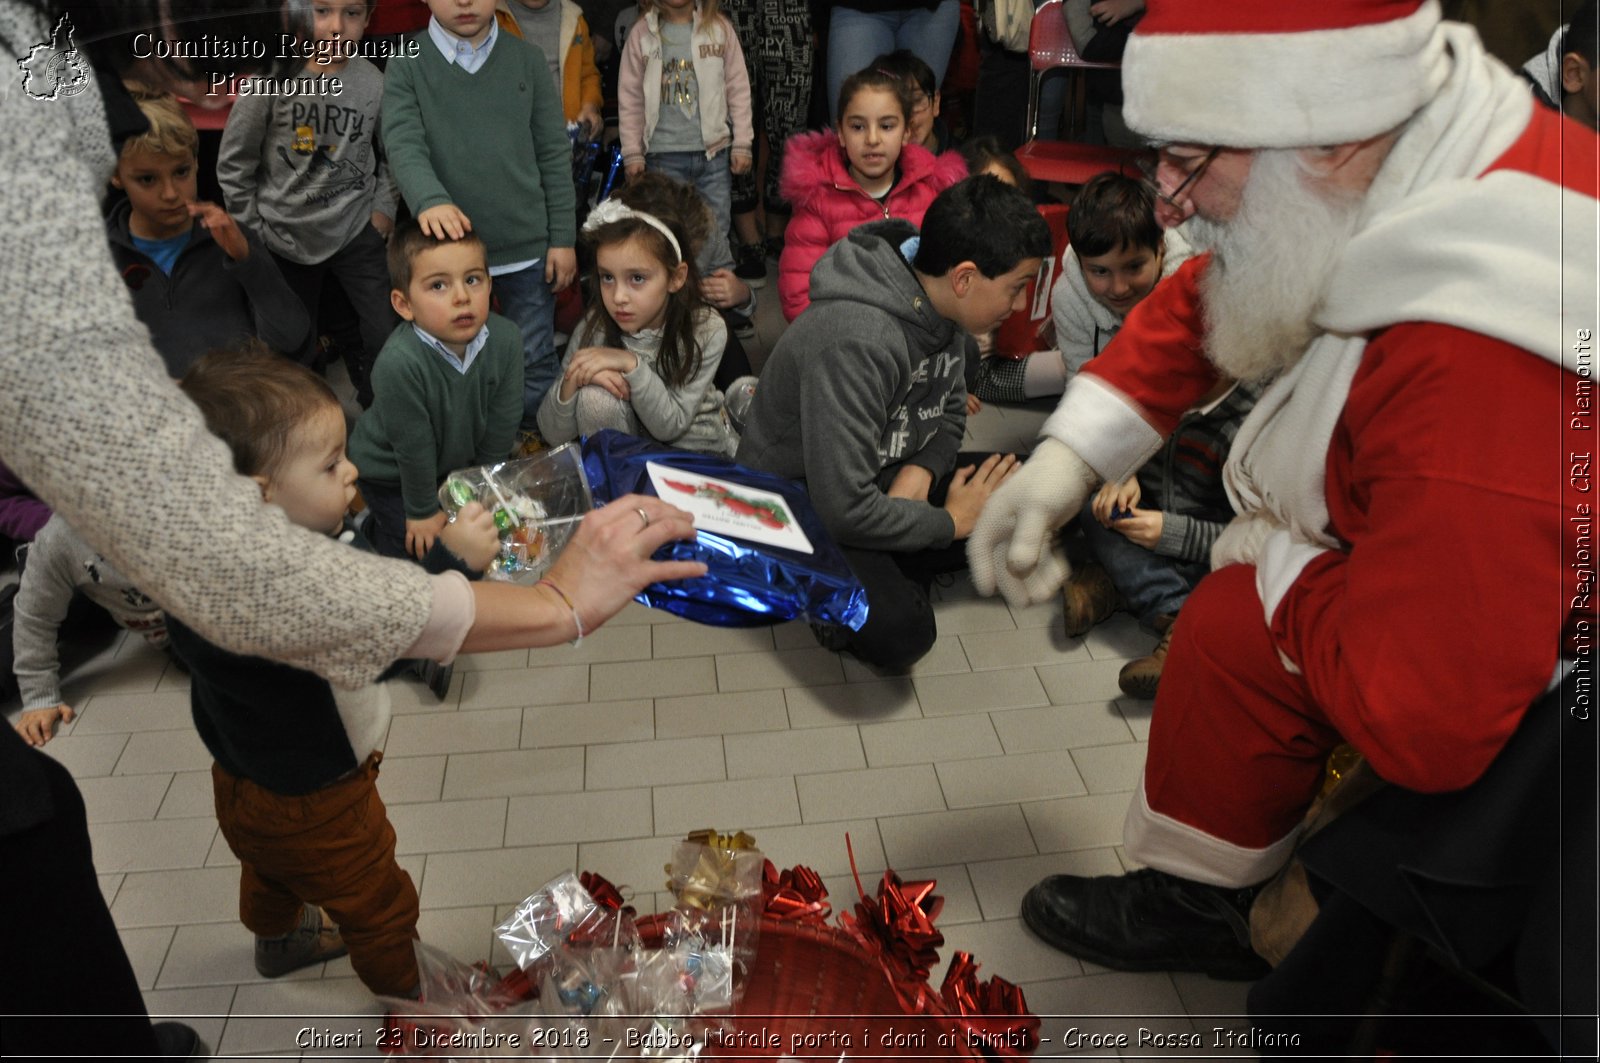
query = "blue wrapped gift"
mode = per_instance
[{"x": 770, "y": 558}]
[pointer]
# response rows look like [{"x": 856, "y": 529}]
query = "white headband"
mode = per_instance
[{"x": 615, "y": 210}]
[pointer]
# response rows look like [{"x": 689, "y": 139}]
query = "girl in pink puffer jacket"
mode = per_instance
[{"x": 866, "y": 171}]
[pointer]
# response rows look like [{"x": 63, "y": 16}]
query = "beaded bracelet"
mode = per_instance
[{"x": 577, "y": 620}]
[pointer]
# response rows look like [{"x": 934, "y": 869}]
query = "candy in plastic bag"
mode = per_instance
[{"x": 536, "y": 502}]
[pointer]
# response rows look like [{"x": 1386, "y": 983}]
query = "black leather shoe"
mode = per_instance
[
  {"x": 179, "y": 1040},
  {"x": 1147, "y": 921}
]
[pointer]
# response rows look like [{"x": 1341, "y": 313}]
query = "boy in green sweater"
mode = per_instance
[
  {"x": 476, "y": 142},
  {"x": 447, "y": 389}
]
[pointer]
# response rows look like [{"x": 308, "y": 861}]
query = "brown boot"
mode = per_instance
[
  {"x": 1089, "y": 598},
  {"x": 1139, "y": 679}
]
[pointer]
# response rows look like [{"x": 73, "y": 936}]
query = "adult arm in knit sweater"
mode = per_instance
[{"x": 89, "y": 419}]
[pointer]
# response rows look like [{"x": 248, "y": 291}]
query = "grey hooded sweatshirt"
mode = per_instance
[{"x": 866, "y": 381}]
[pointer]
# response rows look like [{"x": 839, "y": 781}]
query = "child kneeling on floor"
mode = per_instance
[{"x": 295, "y": 778}]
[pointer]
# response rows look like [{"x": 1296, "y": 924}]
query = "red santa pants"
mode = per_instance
[{"x": 1237, "y": 745}]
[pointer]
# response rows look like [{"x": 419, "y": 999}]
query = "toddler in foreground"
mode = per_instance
[{"x": 295, "y": 778}]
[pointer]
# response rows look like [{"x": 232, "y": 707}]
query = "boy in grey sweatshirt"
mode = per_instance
[{"x": 864, "y": 398}]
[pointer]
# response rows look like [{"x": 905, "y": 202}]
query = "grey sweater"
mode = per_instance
[
  {"x": 90, "y": 420},
  {"x": 307, "y": 172},
  {"x": 61, "y": 564},
  {"x": 866, "y": 381}
]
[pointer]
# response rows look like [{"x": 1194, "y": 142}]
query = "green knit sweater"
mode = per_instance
[
  {"x": 493, "y": 143},
  {"x": 427, "y": 419}
]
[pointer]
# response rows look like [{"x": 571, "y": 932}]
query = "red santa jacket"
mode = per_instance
[{"x": 828, "y": 203}]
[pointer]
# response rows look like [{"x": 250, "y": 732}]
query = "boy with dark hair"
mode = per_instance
[
  {"x": 863, "y": 398},
  {"x": 447, "y": 388},
  {"x": 1564, "y": 76},
  {"x": 307, "y": 173},
  {"x": 477, "y": 143},
  {"x": 1116, "y": 253},
  {"x": 295, "y": 777}
]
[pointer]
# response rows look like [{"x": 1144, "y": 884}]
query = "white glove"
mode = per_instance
[
  {"x": 1242, "y": 540},
  {"x": 1013, "y": 548}
]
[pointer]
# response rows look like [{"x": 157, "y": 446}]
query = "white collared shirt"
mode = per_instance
[
  {"x": 455, "y": 50},
  {"x": 462, "y": 364}
]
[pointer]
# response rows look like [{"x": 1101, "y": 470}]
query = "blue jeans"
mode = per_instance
[
  {"x": 856, "y": 38},
  {"x": 1153, "y": 584},
  {"x": 710, "y": 177},
  {"x": 527, "y": 300}
]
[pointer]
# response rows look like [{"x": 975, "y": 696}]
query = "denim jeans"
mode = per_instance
[
  {"x": 710, "y": 177},
  {"x": 526, "y": 299},
  {"x": 856, "y": 38},
  {"x": 1152, "y": 583}
]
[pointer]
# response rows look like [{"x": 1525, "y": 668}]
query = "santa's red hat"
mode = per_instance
[{"x": 1280, "y": 73}]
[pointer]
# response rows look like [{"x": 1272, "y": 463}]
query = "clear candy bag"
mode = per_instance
[
  {"x": 537, "y": 503},
  {"x": 544, "y": 920}
]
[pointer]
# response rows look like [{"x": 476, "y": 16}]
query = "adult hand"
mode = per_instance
[
  {"x": 608, "y": 561},
  {"x": 472, "y": 536},
  {"x": 912, "y": 482},
  {"x": 444, "y": 222},
  {"x": 1012, "y": 548},
  {"x": 739, "y": 163},
  {"x": 38, "y": 726},
  {"x": 723, "y": 289},
  {"x": 1112, "y": 497},
  {"x": 223, "y": 229},
  {"x": 971, "y": 487},
  {"x": 420, "y": 533},
  {"x": 560, "y": 267},
  {"x": 1141, "y": 529}
]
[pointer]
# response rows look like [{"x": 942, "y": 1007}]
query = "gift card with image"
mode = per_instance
[{"x": 726, "y": 508}]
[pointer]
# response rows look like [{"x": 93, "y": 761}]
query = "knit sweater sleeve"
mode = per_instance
[
  {"x": 504, "y": 411},
  {"x": 667, "y": 412},
  {"x": 1188, "y": 538},
  {"x": 558, "y": 421},
  {"x": 401, "y": 406},
  {"x": 554, "y": 151},
  {"x": 101, "y": 432},
  {"x": 406, "y": 141}
]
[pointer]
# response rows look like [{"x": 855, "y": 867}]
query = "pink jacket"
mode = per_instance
[{"x": 828, "y": 203}]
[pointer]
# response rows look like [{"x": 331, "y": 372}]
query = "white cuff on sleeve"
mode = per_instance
[
  {"x": 449, "y": 619},
  {"x": 1103, "y": 427}
]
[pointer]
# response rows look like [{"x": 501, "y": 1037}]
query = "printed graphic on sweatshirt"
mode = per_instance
[
  {"x": 915, "y": 421},
  {"x": 331, "y": 151}
]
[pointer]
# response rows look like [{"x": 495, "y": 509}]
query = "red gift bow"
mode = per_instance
[
  {"x": 994, "y": 1013},
  {"x": 795, "y": 896},
  {"x": 604, "y": 893},
  {"x": 897, "y": 928}
]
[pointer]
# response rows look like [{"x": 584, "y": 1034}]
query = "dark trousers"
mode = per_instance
[
  {"x": 67, "y": 986},
  {"x": 362, "y": 270},
  {"x": 388, "y": 516}
]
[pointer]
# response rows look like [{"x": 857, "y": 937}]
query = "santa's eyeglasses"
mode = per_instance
[{"x": 1191, "y": 166}]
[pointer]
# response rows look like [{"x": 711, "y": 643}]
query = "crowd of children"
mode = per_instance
[{"x": 437, "y": 194}]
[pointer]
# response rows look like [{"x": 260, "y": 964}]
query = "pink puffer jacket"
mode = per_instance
[{"x": 828, "y": 203}]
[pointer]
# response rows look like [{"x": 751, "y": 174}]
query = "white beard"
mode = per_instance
[{"x": 1270, "y": 265}]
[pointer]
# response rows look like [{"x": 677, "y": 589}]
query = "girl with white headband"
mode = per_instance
[{"x": 643, "y": 359}]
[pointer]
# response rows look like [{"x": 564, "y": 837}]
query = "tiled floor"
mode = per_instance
[{"x": 1005, "y": 755}]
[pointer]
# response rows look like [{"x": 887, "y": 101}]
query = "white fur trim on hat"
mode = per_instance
[{"x": 1283, "y": 90}]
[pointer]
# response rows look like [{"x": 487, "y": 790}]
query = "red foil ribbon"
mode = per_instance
[
  {"x": 794, "y": 896},
  {"x": 896, "y": 927},
  {"x": 604, "y": 893},
  {"x": 994, "y": 1014}
]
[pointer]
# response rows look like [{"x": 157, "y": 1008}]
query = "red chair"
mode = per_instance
[
  {"x": 1018, "y": 336},
  {"x": 1050, "y": 47}
]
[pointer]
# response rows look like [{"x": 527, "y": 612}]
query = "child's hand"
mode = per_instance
[
  {"x": 1115, "y": 496},
  {"x": 633, "y": 169},
  {"x": 614, "y": 382},
  {"x": 971, "y": 488},
  {"x": 560, "y": 267},
  {"x": 723, "y": 289},
  {"x": 223, "y": 229},
  {"x": 38, "y": 726},
  {"x": 420, "y": 534},
  {"x": 590, "y": 361},
  {"x": 472, "y": 536},
  {"x": 739, "y": 163},
  {"x": 589, "y": 118},
  {"x": 1143, "y": 528},
  {"x": 382, "y": 223},
  {"x": 1111, "y": 12},
  {"x": 445, "y": 222},
  {"x": 974, "y": 404}
]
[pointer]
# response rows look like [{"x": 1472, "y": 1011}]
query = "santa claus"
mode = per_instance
[{"x": 1403, "y": 247}]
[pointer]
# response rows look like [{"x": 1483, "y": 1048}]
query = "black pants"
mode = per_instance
[
  {"x": 362, "y": 270},
  {"x": 388, "y": 516},
  {"x": 67, "y": 985}
]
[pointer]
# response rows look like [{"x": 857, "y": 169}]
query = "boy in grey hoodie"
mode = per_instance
[{"x": 864, "y": 398}]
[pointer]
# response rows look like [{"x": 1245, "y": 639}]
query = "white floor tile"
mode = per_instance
[
  {"x": 874, "y": 791},
  {"x": 1081, "y": 681},
  {"x": 945, "y": 658},
  {"x": 493, "y": 661},
  {"x": 535, "y": 686},
  {"x": 464, "y": 933},
  {"x": 806, "y": 751},
  {"x": 191, "y": 796},
  {"x": 566, "y": 816},
  {"x": 1024, "y": 647},
  {"x": 1003, "y": 780},
  {"x": 634, "y": 865},
  {"x": 821, "y": 847},
  {"x": 626, "y": 643},
  {"x": 118, "y": 798},
  {"x": 221, "y": 855},
  {"x": 454, "y": 732},
  {"x": 969, "y": 616},
  {"x": 444, "y": 826},
  {"x": 653, "y": 679},
  {"x": 204, "y": 1009},
  {"x": 871, "y": 702},
  {"x": 1111, "y": 769},
  {"x": 926, "y": 741},
  {"x": 659, "y": 763},
  {"x": 513, "y": 772},
  {"x": 702, "y": 640},
  {"x": 960, "y": 902},
  {"x": 123, "y": 713},
  {"x": 1009, "y": 688},
  {"x": 581, "y": 722},
  {"x": 1119, "y": 638},
  {"x": 175, "y": 898},
  {"x": 152, "y": 844},
  {"x": 700, "y": 715},
  {"x": 286, "y": 1016},
  {"x": 751, "y": 803},
  {"x": 1137, "y": 716},
  {"x": 405, "y": 780},
  {"x": 1089, "y": 822},
  {"x": 1006, "y": 948},
  {"x": 497, "y": 876},
  {"x": 147, "y": 949},
  {"x": 777, "y": 669},
  {"x": 208, "y": 954},
  {"x": 1060, "y": 727},
  {"x": 955, "y": 837},
  {"x": 162, "y": 751},
  {"x": 1001, "y": 884},
  {"x": 1115, "y": 1007},
  {"x": 109, "y": 885},
  {"x": 88, "y": 756}
]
